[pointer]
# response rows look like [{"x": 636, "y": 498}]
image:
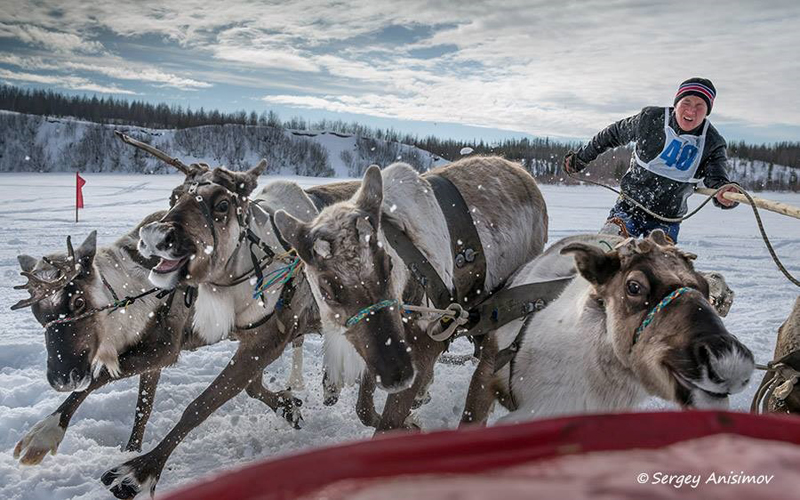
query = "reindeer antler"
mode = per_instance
[
  {"x": 40, "y": 288},
  {"x": 155, "y": 152}
]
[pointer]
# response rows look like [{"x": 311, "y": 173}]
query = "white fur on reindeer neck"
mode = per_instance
[
  {"x": 219, "y": 309},
  {"x": 549, "y": 385}
]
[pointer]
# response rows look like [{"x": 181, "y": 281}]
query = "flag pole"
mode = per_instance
[{"x": 77, "y": 189}]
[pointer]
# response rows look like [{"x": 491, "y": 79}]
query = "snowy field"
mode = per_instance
[{"x": 37, "y": 213}]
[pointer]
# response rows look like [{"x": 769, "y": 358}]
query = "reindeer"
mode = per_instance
[
  {"x": 360, "y": 280},
  {"x": 635, "y": 322},
  {"x": 210, "y": 239},
  {"x": 88, "y": 348},
  {"x": 779, "y": 389}
]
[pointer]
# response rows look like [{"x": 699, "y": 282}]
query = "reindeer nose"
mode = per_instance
[
  {"x": 64, "y": 382},
  {"x": 168, "y": 241}
]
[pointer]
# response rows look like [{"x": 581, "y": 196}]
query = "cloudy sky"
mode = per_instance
[{"x": 544, "y": 68}]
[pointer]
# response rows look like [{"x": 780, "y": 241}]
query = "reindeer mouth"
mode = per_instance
[
  {"x": 166, "y": 266},
  {"x": 691, "y": 386}
]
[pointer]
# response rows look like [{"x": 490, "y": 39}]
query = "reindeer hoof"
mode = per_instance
[
  {"x": 412, "y": 423},
  {"x": 330, "y": 399},
  {"x": 289, "y": 409},
  {"x": 119, "y": 484},
  {"x": 42, "y": 439},
  {"x": 132, "y": 477},
  {"x": 421, "y": 400}
]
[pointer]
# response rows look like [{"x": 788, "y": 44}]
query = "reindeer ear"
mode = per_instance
[
  {"x": 660, "y": 237},
  {"x": 259, "y": 169},
  {"x": 26, "y": 262},
  {"x": 370, "y": 195},
  {"x": 247, "y": 181},
  {"x": 86, "y": 252},
  {"x": 295, "y": 232},
  {"x": 593, "y": 263},
  {"x": 365, "y": 230}
]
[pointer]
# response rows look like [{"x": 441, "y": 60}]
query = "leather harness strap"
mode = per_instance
[
  {"x": 469, "y": 270},
  {"x": 419, "y": 265},
  {"x": 469, "y": 259}
]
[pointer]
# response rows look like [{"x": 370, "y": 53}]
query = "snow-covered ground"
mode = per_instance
[{"x": 36, "y": 215}]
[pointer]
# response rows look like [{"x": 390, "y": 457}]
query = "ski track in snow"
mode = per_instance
[{"x": 38, "y": 213}]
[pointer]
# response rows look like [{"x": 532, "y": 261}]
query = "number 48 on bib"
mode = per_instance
[{"x": 679, "y": 155}]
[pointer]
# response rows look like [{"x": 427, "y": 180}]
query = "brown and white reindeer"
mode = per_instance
[
  {"x": 635, "y": 322},
  {"x": 85, "y": 353},
  {"x": 204, "y": 240},
  {"x": 360, "y": 280},
  {"x": 779, "y": 391}
]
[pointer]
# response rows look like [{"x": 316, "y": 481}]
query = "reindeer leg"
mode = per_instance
[
  {"x": 365, "y": 405},
  {"x": 47, "y": 434},
  {"x": 398, "y": 405},
  {"x": 296, "y": 378},
  {"x": 480, "y": 397},
  {"x": 282, "y": 403},
  {"x": 250, "y": 359},
  {"x": 330, "y": 390},
  {"x": 148, "y": 382}
]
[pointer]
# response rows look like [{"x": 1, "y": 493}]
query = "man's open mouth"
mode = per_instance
[{"x": 166, "y": 266}]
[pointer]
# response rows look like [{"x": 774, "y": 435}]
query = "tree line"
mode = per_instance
[{"x": 541, "y": 156}]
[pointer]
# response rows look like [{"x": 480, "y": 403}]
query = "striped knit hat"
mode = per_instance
[{"x": 700, "y": 87}]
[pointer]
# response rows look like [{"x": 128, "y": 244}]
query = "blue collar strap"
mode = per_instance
[
  {"x": 661, "y": 305},
  {"x": 370, "y": 310}
]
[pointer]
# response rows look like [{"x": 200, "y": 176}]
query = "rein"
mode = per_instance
[
  {"x": 658, "y": 308},
  {"x": 752, "y": 204},
  {"x": 113, "y": 306}
]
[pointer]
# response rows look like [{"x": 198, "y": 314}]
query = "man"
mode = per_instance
[{"x": 675, "y": 149}]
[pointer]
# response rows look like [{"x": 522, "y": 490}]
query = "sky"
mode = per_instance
[{"x": 460, "y": 69}]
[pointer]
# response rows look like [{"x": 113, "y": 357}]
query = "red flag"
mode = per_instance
[{"x": 79, "y": 182}]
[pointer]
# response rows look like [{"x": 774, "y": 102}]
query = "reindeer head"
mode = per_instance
[
  {"x": 201, "y": 232},
  {"x": 683, "y": 353},
  {"x": 64, "y": 286},
  {"x": 349, "y": 270}
]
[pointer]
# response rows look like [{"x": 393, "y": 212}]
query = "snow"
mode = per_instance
[{"x": 37, "y": 213}]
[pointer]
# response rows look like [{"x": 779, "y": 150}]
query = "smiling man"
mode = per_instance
[{"x": 675, "y": 149}]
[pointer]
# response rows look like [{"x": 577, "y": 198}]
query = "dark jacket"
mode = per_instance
[{"x": 663, "y": 196}]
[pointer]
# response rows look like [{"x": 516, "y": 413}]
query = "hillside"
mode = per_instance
[{"x": 32, "y": 143}]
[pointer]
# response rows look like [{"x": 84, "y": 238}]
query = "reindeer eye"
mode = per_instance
[
  {"x": 222, "y": 206},
  {"x": 633, "y": 287},
  {"x": 78, "y": 303},
  {"x": 327, "y": 290}
]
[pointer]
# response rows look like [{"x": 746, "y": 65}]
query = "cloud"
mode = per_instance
[
  {"x": 543, "y": 67},
  {"x": 110, "y": 66},
  {"x": 52, "y": 40},
  {"x": 66, "y": 82}
]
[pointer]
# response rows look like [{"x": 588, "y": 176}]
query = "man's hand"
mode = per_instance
[
  {"x": 724, "y": 201},
  {"x": 573, "y": 164}
]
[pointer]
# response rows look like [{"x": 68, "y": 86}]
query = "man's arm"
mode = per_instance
[
  {"x": 716, "y": 175},
  {"x": 616, "y": 134}
]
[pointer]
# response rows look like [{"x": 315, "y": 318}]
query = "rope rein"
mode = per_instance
[
  {"x": 761, "y": 229},
  {"x": 117, "y": 304},
  {"x": 657, "y": 309},
  {"x": 454, "y": 314}
]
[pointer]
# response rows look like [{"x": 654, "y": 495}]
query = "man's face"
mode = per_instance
[{"x": 690, "y": 112}]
